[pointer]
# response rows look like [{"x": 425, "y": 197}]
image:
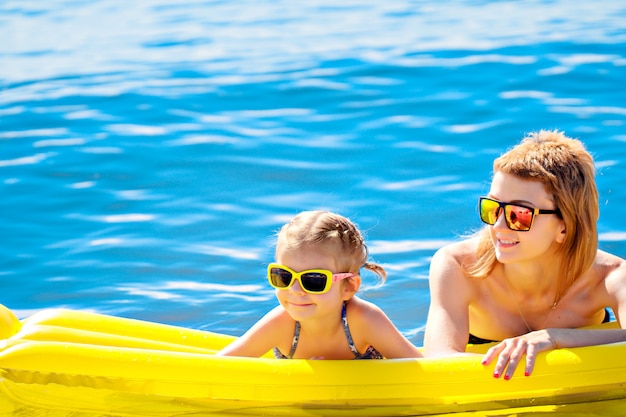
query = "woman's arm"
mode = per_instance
[
  {"x": 510, "y": 352},
  {"x": 447, "y": 326}
]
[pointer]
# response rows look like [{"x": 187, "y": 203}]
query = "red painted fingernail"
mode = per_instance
[
  {"x": 526, "y": 373},
  {"x": 507, "y": 377},
  {"x": 484, "y": 362},
  {"x": 496, "y": 375}
]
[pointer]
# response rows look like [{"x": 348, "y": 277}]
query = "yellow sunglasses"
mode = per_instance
[{"x": 314, "y": 281}]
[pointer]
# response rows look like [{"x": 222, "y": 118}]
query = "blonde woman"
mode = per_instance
[{"x": 533, "y": 274}]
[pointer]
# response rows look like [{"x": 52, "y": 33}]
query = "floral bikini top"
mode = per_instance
[{"x": 370, "y": 353}]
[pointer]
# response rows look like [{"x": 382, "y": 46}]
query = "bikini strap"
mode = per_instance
[
  {"x": 346, "y": 330},
  {"x": 294, "y": 342}
]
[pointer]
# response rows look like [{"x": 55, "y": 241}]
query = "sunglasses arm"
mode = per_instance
[{"x": 339, "y": 277}]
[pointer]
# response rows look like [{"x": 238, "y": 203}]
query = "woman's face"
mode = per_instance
[{"x": 547, "y": 230}]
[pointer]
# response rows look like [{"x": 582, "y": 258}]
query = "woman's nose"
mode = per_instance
[{"x": 500, "y": 220}]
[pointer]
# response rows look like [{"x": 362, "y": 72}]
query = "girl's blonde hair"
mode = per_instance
[
  {"x": 332, "y": 233},
  {"x": 567, "y": 171}
]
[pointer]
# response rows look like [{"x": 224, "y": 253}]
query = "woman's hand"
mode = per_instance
[{"x": 511, "y": 351}]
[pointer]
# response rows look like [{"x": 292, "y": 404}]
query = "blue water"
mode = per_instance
[{"x": 149, "y": 150}]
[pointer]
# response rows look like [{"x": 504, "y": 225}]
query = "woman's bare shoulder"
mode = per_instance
[
  {"x": 606, "y": 259},
  {"x": 459, "y": 251},
  {"x": 447, "y": 268},
  {"x": 610, "y": 269}
]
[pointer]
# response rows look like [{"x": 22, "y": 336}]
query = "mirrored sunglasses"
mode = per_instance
[{"x": 517, "y": 217}]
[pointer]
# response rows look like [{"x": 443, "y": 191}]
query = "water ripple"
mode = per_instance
[{"x": 27, "y": 160}]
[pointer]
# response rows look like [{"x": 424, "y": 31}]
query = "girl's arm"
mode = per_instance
[{"x": 260, "y": 338}]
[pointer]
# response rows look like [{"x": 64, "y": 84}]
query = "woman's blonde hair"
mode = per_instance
[
  {"x": 567, "y": 171},
  {"x": 332, "y": 233}
]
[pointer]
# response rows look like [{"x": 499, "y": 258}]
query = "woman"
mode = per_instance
[{"x": 534, "y": 274}]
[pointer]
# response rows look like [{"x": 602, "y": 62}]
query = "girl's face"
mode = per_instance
[
  {"x": 547, "y": 230},
  {"x": 302, "y": 305}
]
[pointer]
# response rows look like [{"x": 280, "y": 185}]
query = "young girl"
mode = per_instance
[
  {"x": 316, "y": 275},
  {"x": 534, "y": 274}
]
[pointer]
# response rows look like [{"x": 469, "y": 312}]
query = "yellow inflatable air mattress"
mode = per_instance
[{"x": 78, "y": 361}]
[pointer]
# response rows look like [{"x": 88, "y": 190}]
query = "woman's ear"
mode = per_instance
[
  {"x": 350, "y": 287},
  {"x": 560, "y": 237}
]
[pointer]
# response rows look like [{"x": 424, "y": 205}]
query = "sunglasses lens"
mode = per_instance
[
  {"x": 280, "y": 278},
  {"x": 489, "y": 210},
  {"x": 314, "y": 281},
  {"x": 518, "y": 218}
]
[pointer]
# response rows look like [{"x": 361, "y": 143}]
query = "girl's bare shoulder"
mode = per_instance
[{"x": 360, "y": 311}]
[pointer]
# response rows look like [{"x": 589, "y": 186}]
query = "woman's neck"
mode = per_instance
[{"x": 532, "y": 279}]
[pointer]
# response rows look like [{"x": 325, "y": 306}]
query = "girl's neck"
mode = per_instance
[{"x": 323, "y": 327}]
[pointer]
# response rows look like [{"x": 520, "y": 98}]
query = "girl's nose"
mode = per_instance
[{"x": 296, "y": 287}]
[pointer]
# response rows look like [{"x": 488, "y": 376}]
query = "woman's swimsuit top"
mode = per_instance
[
  {"x": 370, "y": 353},
  {"x": 474, "y": 340}
]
